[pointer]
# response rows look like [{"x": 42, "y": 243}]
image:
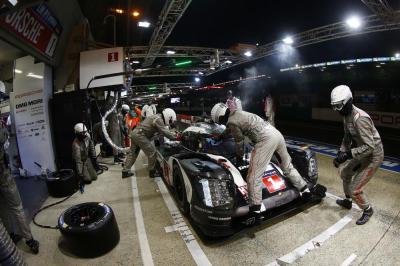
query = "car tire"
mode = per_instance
[
  {"x": 62, "y": 183},
  {"x": 89, "y": 229},
  {"x": 180, "y": 190}
]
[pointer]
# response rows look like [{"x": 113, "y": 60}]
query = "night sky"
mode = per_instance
[{"x": 224, "y": 23}]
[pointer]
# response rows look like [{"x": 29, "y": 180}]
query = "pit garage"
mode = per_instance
[{"x": 119, "y": 144}]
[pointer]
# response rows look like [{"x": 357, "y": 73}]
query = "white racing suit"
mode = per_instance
[
  {"x": 269, "y": 109},
  {"x": 364, "y": 142},
  {"x": 267, "y": 140},
  {"x": 141, "y": 139},
  {"x": 10, "y": 200}
]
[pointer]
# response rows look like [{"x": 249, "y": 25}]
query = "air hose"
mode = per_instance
[
  {"x": 9, "y": 253},
  {"x": 103, "y": 126}
]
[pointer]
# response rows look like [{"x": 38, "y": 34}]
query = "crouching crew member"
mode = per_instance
[
  {"x": 84, "y": 154},
  {"x": 360, "y": 154},
  {"x": 267, "y": 140},
  {"x": 141, "y": 139}
]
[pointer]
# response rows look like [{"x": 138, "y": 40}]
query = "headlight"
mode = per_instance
[{"x": 216, "y": 192}]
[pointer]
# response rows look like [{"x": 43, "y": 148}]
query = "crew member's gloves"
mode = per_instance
[{"x": 341, "y": 157}]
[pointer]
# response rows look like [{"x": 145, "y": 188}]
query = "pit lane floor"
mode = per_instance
[{"x": 272, "y": 241}]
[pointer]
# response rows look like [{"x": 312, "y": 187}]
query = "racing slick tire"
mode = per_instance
[
  {"x": 180, "y": 190},
  {"x": 89, "y": 229},
  {"x": 62, "y": 183}
]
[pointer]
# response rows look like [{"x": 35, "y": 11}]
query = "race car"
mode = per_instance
[{"x": 210, "y": 187}]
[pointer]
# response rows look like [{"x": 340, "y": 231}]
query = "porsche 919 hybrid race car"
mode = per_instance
[{"x": 210, "y": 188}]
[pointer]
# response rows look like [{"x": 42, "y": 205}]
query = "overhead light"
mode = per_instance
[
  {"x": 248, "y": 53},
  {"x": 170, "y": 52},
  {"x": 119, "y": 11},
  {"x": 34, "y": 76},
  {"x": 13, "y": 2},
  {"x": 228, "y": 62},
  {"x": 397, "y": 55},
  {"x": 144, "y": 24},
  {"x": 135, "y": 13},
  {"x": 378, "y": 66},
  {"x": 18, "y": 71},
  {"x": 183, "y": 63},
  {"x": 288, "y": 40},
  {"x": 135, "y": 62},
  {"x": 354, "y": 22},
  {"x": 257, "y": 44},
  {"x": 197, "y": 79},
  {"x": 383, "y": 63}
]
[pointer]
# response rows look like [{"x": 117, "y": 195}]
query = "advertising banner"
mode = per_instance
[
  {"x": 30, "y": 107},
  {"x": 36, "y": 26}
]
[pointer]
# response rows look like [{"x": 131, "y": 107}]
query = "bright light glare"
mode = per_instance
[
  {"x": 288, "y": 40},
  {"x": 119, "y": 11},
  {"x": 197, "y": 79},
  {"x": 135, "y": 62},
  {"x": 34, "y": 76},
  {"x": 228, "y": 62},
  {"x": 248, "y": 53},
  {"x": 354, "y": 22},
  {"x": 144, "y": 24},
  {"x": 201, "y": 73},
  {"x": 397, "y": 55},
  {"x": 170, "y": 52},
  {"x": 135, "y": 13},
  {"x": 18, "y": 71}
]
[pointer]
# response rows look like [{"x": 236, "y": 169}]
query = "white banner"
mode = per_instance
[
  {"x": 381, "y": 119},
  {"x": 32, "y": 90}
]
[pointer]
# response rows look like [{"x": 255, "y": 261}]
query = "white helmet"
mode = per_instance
[
  {"x": 340, "y": 95},
  {"x": 147, "y": 111},
  {"x": 169, "y": 116},
  {"x": 218, "y": 110},
  {"x": 80, "y": 128},
  {"x": 125, "y": 107}
]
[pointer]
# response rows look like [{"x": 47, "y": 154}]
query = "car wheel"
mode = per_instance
[
  {"x": 62, "y": 183},
  {"x": 89, "y": 229},
  {"x": 180, "y": 190}
]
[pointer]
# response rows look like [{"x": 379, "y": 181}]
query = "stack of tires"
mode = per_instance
[{"x": 62, "y": 183}]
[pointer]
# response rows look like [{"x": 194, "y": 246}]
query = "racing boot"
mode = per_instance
[
  {"x": 345, "y": 203},
  {"x": 153, "y": 173},
  {"x": 367, "y": 213},
  {"x": 33, "y": 245},
  {"x": 306, "y": 193},
  {"x": 117, "y": 160},
  {"x": 127, "y": 173},
  {"x": 254, "y": 218}
]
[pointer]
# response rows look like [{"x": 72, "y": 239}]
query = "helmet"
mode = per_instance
[
  {"x": 125, "y": 107},
  {"x": 169, "y": 116},
  {"x": 218, "y": 110},
  {"x": 340, "y": 95},
  {"x": 80, "y": 128},
  {"x": 147, "y": 111}
]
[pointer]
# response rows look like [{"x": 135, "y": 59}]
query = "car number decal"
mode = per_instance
[{"x": 273, "y": 182}]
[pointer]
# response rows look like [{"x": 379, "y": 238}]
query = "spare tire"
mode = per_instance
[
  {"x": 89, "y": 229},
  {"x": 62, "y": 183}
]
